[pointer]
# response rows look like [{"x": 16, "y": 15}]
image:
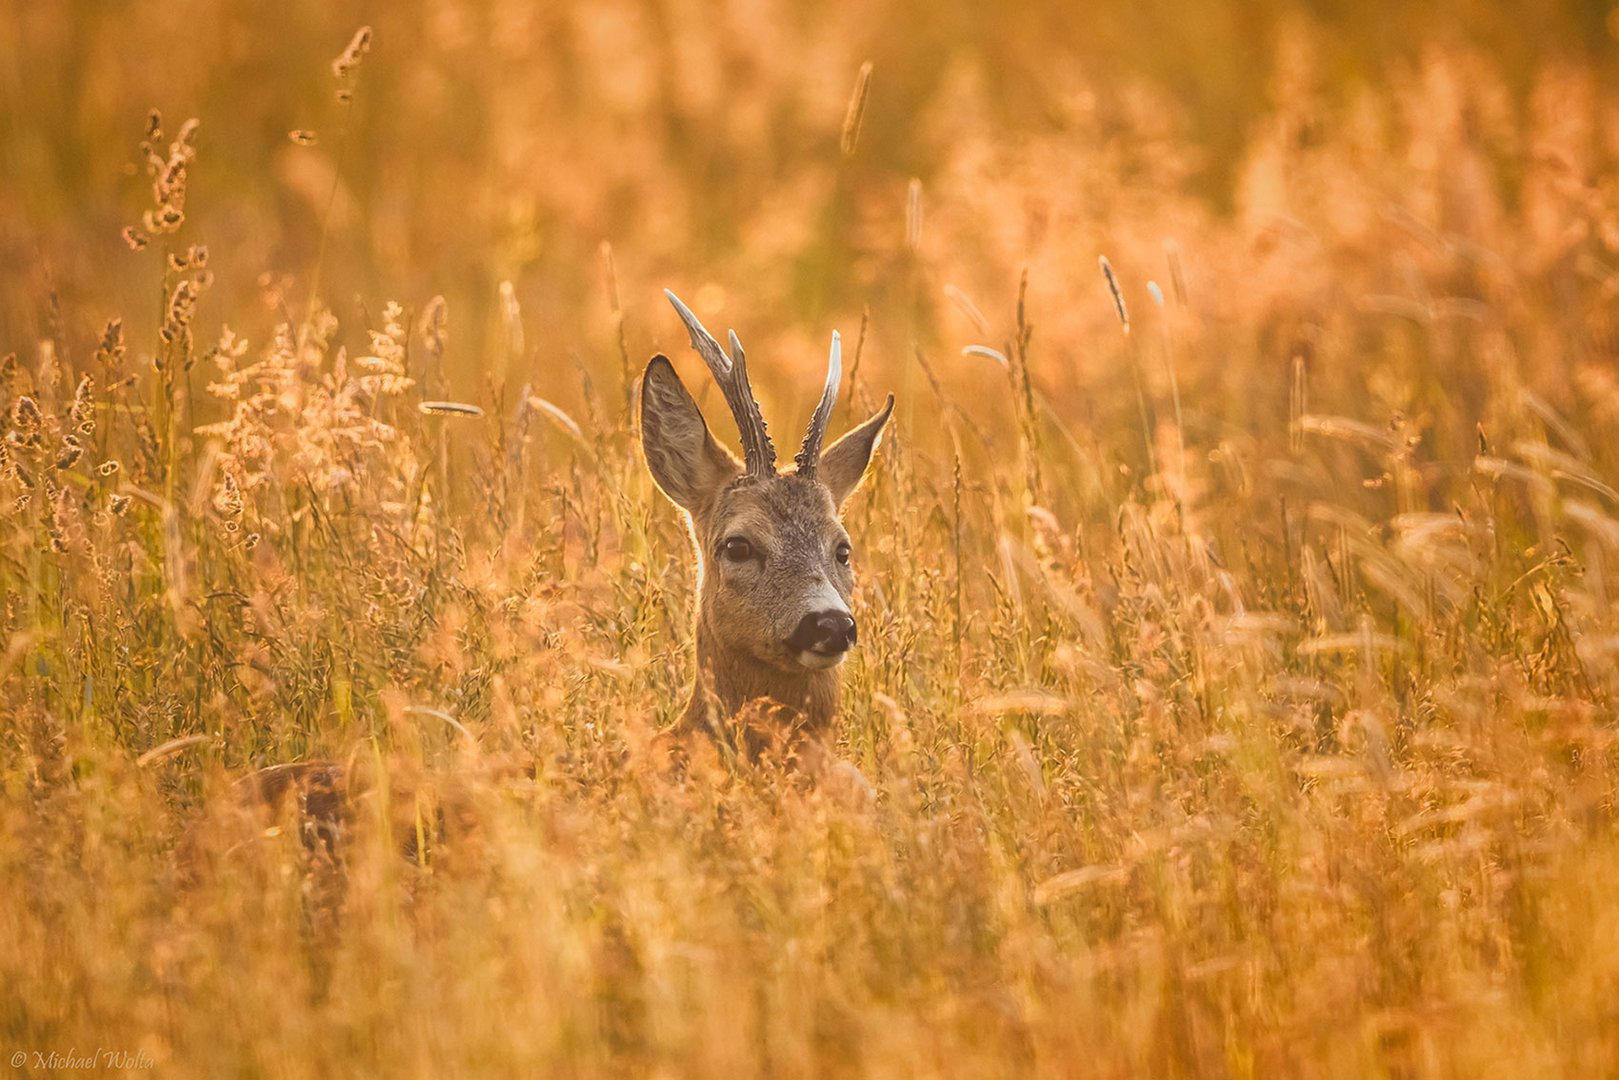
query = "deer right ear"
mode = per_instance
[{"x": 681, "y": 453}]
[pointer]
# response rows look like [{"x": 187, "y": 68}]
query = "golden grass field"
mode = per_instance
[{"x": 1235, "y": 689}]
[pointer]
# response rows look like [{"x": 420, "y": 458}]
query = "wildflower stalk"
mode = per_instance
[{"x": 345, "y": 70}]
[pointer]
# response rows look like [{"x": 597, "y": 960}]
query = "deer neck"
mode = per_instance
[{"x": 728, "y": 679}]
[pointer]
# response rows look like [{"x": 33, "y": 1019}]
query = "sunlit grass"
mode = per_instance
[{"x": 1237, "y": 656}]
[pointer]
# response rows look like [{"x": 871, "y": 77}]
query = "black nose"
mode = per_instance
[{"x": 825, "y": 632}]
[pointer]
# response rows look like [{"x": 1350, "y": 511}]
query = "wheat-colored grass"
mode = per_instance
[{"x": 1234, "y": 695}]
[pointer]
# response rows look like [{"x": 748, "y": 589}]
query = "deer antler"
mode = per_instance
[
  {"x": 731, "y": 372},
  {"x": 809, "y": 455}
]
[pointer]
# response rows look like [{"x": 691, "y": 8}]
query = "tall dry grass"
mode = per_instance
[{"x": 1234, "y": 695}]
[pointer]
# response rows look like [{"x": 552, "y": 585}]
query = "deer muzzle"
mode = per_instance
[{"x": 822, "y": 637}]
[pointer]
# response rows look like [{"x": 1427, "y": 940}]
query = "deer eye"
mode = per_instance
[
  {"x": 842, "y": 552},
  {"x": 735, "y": 549}
]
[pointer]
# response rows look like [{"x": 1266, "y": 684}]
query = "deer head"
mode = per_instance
[{"x": 774, "y": 562}]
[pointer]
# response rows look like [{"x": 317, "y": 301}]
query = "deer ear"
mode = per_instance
[
  {"x": 843, "y": 464},
  {"x": 680, "y": 451}
]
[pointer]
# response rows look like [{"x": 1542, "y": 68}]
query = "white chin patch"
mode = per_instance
[{"x": 819, "y": 661}]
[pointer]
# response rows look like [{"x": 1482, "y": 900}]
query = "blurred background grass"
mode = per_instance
[{"x": 506, "y": 141}]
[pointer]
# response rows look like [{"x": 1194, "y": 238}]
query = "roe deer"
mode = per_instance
[
  {"x": 773, "y": 562},
  {"x": 773, "y": 559}
]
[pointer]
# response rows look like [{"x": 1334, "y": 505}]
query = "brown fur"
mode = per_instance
[{"x": 747, "y": 610}]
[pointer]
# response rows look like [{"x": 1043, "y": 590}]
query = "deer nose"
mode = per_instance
[{"x": 826, "y": 632}]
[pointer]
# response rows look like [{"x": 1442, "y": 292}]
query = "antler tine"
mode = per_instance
[
  {"x": 809, "y": 455},
  {"x": 739, "y": 376},
  {"x": 731, "y": 373}
]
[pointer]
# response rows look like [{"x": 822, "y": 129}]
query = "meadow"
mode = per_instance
[{"x": 1235, "y": 687}]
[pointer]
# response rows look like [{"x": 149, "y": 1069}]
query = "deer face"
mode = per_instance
[
  {"x": 776, "y": 575},
  {"x": 774, "y": 559}
]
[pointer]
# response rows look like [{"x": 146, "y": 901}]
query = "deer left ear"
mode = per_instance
[{"x": 843, "y": 464}]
